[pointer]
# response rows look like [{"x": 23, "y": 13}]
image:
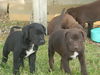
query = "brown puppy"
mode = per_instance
[
  {"x": 88, "y": 13},
  {"x": 68, "y": 43},
  {"x": 63, "y": 21},
  {"x": 55, "y": 22}
]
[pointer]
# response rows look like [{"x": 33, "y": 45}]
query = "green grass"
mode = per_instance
[{"x": 92, "y": 53}]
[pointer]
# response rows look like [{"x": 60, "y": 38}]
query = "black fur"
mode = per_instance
[{"x": 20, "y": 41}]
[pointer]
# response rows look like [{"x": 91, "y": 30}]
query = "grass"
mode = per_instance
[
  {"x": 92, "y": 53},
  {"x": 11, "y": 23}
]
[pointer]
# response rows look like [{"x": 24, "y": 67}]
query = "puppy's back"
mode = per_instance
[{"x": 13, "y": 39}]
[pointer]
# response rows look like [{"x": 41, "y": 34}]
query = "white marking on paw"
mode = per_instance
[
  {"x": 74, "y": 55},
  {"x": 30, "y": 51}
]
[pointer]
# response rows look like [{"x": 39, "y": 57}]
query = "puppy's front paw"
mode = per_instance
[{"x": 50, "y": 70}]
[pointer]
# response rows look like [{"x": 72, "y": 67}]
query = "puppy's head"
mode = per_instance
[
  {"x": 74, "y": 39},
  {"x": 34, "y": 34}
]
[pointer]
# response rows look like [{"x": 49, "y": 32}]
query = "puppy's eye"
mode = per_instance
[
  {"x": 75, "y": 37},
  {"x": 70, "y": 40}
]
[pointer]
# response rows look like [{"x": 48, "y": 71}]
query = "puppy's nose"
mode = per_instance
[{"x": 76, "y": 47}]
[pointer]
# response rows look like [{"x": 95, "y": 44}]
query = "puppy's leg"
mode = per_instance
[
  {"x": 16, "y": 63},
  {"x": 6, "y": 51},
  {"x": 22, "y": 62},
  {"x": 80, "y": 21},
  {"x": 90, "y": 26},
  {"x": 51, "y": 53},
  {"x": 61, "y": 66},
  {"x": 32, "y": 59},
  {"x": 65, "y": 65},
  {"x": 81, "y": 58}
]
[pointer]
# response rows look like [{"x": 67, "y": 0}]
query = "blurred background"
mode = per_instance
[{"x": 21, "y": 10}]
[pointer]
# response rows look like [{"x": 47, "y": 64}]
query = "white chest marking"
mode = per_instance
[
  {"x": 74, "y": 55},
  {"x": 30, "y": 51}
]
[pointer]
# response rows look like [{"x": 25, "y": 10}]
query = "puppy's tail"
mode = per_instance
[
  {"x": 63, "y": 11},
  {"x": 15, "y": 28}
]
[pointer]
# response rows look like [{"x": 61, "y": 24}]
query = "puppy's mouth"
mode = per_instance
[{"x": 41, "y": 42}]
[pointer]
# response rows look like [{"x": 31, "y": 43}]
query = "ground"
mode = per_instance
[{"x": 92, "y": 52}]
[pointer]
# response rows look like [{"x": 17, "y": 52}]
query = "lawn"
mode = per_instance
[{"x": 92, "y": 53}]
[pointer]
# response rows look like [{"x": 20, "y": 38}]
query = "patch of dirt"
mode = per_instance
[{"x": 92, "y": 42}]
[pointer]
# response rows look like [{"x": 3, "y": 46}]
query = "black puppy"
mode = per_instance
[{"x": 24, "y": 44}]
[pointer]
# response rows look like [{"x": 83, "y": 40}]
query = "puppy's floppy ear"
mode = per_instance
[
  {"x": 66, "y": 32},
  {"x": 84, "y": 35},
  {"x": 25, "y": 32},
  {"x": 44, "y": 29}
]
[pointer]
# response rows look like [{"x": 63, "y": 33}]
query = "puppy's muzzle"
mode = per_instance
[{"x": 41, "y": 42}]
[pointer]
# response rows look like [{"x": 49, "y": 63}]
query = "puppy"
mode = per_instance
[
  {"x": 68, "y": 43},
  {"x": 23, "y": 44},
  {"x": 87, "y": 13},
  {"x": 63, "y": 21}
]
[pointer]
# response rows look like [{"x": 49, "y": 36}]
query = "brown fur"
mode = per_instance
[
  {"x": 64, "y": 21},
  {"x": 87, "y": 13},
  {"x": 60, "y": 42}
]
